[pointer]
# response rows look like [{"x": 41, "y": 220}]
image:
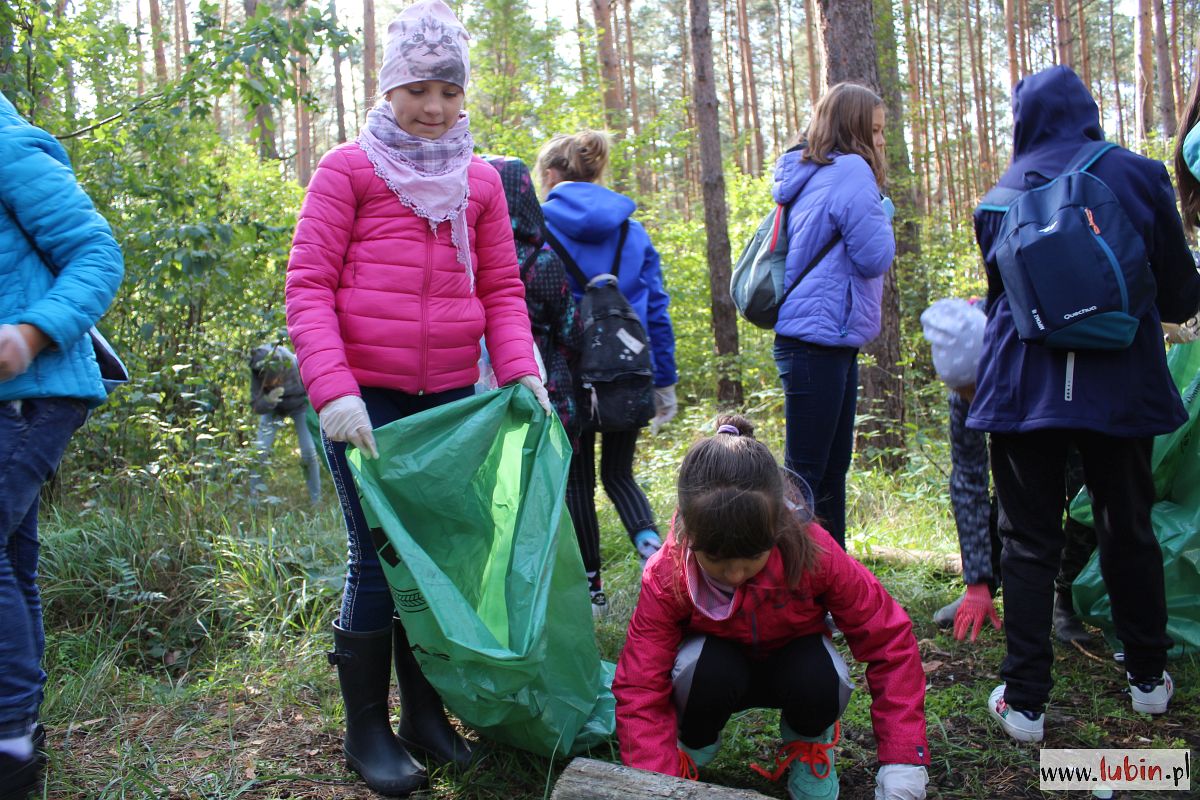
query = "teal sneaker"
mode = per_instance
[
  {"x": 810, "y": 759},
  {"x": 692, "y": 758}
]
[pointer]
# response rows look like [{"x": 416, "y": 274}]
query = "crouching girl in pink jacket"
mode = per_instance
[
  {"x": 403, "y": 258},
  {"x": 732, "y": 616}
]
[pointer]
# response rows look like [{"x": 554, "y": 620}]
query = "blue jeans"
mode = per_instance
[
  {"x": 366, "y": 600},
  {"x": 33, "y": 435},
  {"x": 268, "y": 427},
  {"x": 820, "y": 389}
]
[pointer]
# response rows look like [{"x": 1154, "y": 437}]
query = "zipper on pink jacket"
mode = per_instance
[{"x": 422, "y": 374}]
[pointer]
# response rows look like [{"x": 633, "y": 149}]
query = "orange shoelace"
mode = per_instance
[
  {"x": 815, "y": 754},
  {"x": 687, "y": 767}
]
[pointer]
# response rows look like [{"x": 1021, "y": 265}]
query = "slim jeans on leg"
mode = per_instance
[
  {"x": 33, "y": 435},
  {"x": 366, "y": 600},
  {"x": 1029, "y": 471},
  {"x": 820, "y": 387}
]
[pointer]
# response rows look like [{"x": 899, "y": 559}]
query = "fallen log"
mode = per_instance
[{"x": 589, "y": 779}]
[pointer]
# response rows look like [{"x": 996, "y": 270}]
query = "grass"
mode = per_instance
[{"x": 187, "y": 630}]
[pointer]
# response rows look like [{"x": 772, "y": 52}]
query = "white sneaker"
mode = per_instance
[
  {"x": 1024, "y": 726},
  {"x": 1153, "y": 697}
]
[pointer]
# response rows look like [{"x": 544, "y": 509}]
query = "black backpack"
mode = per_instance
[{"x": 615, "y": 375}]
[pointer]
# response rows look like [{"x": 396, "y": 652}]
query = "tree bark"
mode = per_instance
[
  {"x": 580, "y": 28},
  {"x": 1112, "y": 49},
  {"x": 141, "y": 56},
  {"x": 156, "y": 36},
  {"x": 1010, "y": 38},
  {"x": 588, "y": 779},
  {"x": 264, "y": 127},
  {"x": 1062, "y": 31},
  {"x": 716, "y": 222},
  {"x": 607, "y": 52},
  {"x": 1166, "y": 89},
  {"x": 369, "y": 66},
  {"x": 816, "y": 71},
  {"x": 339, "y": 97},
  {"x": 734, "y": 128},
  {"x": 1085, "y": 57},
  {"x": 750, "y": 92},
  {"x": 1143, "y": 26}
]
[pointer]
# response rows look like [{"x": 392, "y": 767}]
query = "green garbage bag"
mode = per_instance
[
  {"x": 478, "y": 551},
  {"x": 1175, "y": 462}
]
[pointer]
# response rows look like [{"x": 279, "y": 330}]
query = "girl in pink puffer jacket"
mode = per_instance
[{"x": 403, "y": 259}]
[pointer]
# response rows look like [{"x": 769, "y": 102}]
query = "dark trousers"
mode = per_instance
[
  {"x": 820, "y": 389},
  {"x": 799, "y": 678},
  {"x": 366, "y": 600},
  {"x": 616, "y": 473},
  {"x": 1029, "y": 470}
]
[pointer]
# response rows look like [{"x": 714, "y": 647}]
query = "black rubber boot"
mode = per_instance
[
  {"x": 1067, "y": 627},
  {"x": 363, "y": 662},
  {"x": 424, "y": 728}
]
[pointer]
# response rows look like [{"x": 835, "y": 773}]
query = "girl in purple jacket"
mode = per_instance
[{"x": 840, "y": 231}]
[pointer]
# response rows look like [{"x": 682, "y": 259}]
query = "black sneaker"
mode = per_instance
[{"x": 19, "y": 777}]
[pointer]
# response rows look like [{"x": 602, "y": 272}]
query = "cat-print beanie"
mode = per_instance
[{"x": 425, "y": 43}]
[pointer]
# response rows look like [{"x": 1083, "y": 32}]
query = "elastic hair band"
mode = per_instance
[{"x": 730, "y": 429}]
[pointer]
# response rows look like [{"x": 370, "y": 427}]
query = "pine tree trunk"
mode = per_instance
[
  {"x": 632, "y": 72},
  {"x": 782, "y": 24},
  {"x": 141, "y": 55},
  {"x": 1166, "y": 89},
  {"x": 156, "y": 36},
  {"x": 1062, "y": 31},
  {"x": 716, "y": 223},
  {"x": 1143, "y": 42},
  {"x": 734, "y": 131},
  {"x": 303, "y": 115},
  {"x": 584, "y": 61},
  {"x": 1177, "y": 66},
  {"x": 264, "y": 127},
  {"x": 370, "y": 69},
  {"x": 1010, "y": 38},
  {"x": 816, "y": 69},
  {"x": 750, "y": 92},
  {"x": 1024, "y": 29},
  {"x": 339, "y": 98},
  {"x": 607, "y": 53},
  {"x": 1112, "y": 49},
  {"x": 1085, "y": 56}
]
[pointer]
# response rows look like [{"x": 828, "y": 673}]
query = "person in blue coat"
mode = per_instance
[
  {"x": 48, "y": 381},
  {"x": 1037, "y": 402},
  {"x": 586, "y": 218},
  {"x": 839, "y": 224}
]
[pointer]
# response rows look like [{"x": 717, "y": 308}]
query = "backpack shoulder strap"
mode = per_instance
[
  {"x": 824, "y": 251},
  {"x": 572, "y": 268},
  {"x": 1088, "y": 155},
  {"x": 528, "y": 262},
  {"x": 616, "y": 266},
  {"x": 999, "y": 199}
]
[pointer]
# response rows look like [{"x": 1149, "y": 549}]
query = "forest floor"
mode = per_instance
[{"x": 186, "y": 654}]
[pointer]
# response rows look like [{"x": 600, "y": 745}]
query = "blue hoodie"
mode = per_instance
[
  {"x": 837, "y": 303},
  {"x": 40, "y": 200},
  {"x": 1128, "y": 392},
  {"x": 586, "y": 217}
]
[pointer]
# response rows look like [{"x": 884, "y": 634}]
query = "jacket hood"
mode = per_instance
[
  {"x": 523, "y": 207},
  {"x": 587, "y": 212},
  {"x": 17, "y": 131},
  {"x": 1053, "y": 114},
  {"x": 792, "y": 172}
]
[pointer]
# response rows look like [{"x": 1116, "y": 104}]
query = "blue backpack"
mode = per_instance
[{"x": 1073, "y": 266}]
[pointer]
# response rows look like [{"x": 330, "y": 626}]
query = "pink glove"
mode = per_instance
[{"x": 976, "y": 606}]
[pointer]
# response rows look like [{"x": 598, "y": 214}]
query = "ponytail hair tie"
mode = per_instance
[{"x": 730, "y": 429}]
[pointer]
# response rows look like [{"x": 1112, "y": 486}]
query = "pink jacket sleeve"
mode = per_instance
[
  {"x": 313, "y": 275},
  {"x": 646, "y": 724},
  {"x": 879, "y": 634},
  {"x": 499, "y": 287}
]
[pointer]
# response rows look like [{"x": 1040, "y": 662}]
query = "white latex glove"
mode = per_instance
[
  {"x": 15, "y": 356},
  {"x": 346, "y": 420},
  {"x": 889, "y": 208},
  {"x": 901, "y": 782},
  {"x": 275, "y": 395},
  {"x": 665, "y": 407},
  {"x": 534, "y": 384},
  {"x": 1182, "y": 334}
]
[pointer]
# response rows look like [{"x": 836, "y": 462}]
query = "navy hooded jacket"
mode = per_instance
[
  {"x": 1128, "y": 392},
  {"x": 586, "y": 218}
]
